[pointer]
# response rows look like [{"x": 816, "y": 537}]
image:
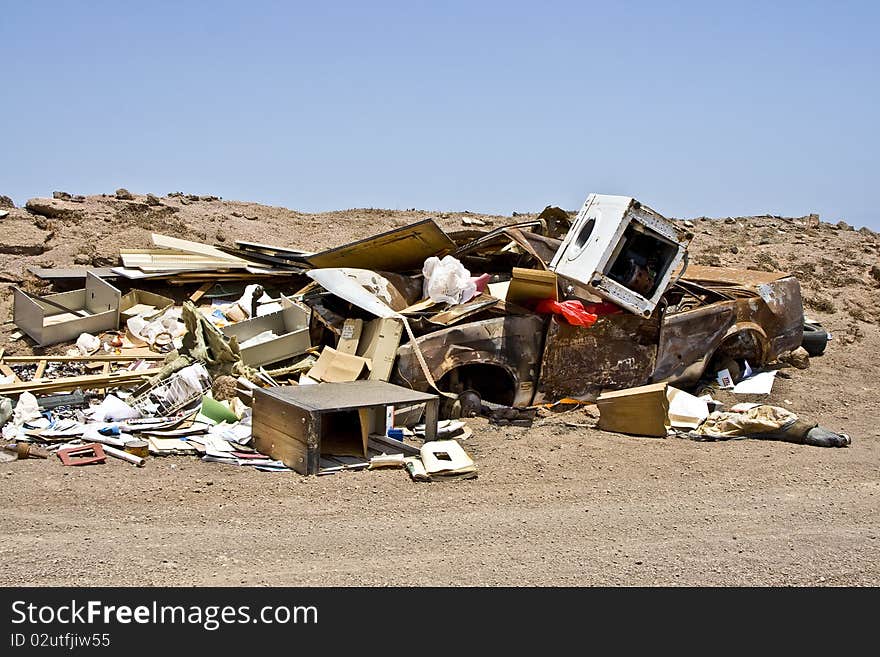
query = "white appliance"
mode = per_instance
[{"x": 623, "y": 251}]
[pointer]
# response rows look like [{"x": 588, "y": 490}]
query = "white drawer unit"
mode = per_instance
[{"x": 623, "y": 251}]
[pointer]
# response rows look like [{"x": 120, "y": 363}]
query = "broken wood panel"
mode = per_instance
[
  {"x": 386, "y": 445},
  {"x": 197, "y": 248},
  {"x": 70, "y": 273},
  {"x": 41, "y": 369},
  {"x": 8, "y": 371},
  {"x": 88, "y": 381},
  {"x": 80, "y": 359},
  {"x": 464, "y": 310},
  {"x": 401, "y": 249}
]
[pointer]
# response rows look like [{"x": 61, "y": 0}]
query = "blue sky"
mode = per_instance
[{"x": 693, "y": 108}]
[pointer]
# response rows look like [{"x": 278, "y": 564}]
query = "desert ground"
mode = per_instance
[{"x": 553, "y": 504}]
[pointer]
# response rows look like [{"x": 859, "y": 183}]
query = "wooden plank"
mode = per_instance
[
  {"x": 278, "y": 251},
  {"x": 41, "y": 369},
  {"x": 8, "y": 371},
  {"x": 71, "y": 273},
  {"x": 282, "y": 447},
  {"x": 113, "y": 358},
  {"x": 165, "y": 242},
  {"x": 87, "y": 381},
  {"x": 349, "y": 337},
  {"x": 384, "y": 444},
  {"x": 105, "y": 371},
  {"x": 400, "y": 249},
  {"x": 202, "y": 291}
]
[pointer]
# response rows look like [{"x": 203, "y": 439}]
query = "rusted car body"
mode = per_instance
[{"x": 710, "y": 315}]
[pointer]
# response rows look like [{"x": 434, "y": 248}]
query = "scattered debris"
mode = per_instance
[{"x": 287, "y": 360}]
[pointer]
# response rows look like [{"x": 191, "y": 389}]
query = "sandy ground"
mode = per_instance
[{"x": 553, "y": 505}]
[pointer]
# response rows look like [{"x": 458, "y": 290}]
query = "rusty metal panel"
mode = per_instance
[
  {"x": 730, "y": 276},
  {"x": 689, "y": 339},
  {"x": 618, "y": 351},
  {"x": 512, "y": 342}
]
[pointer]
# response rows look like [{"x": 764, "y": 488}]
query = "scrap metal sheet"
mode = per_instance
[{"x": 618, "y": 351}]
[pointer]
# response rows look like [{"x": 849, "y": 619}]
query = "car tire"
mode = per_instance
[{"x": 815, "y": 339}]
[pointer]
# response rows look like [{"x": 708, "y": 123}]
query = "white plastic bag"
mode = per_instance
[
  {"x": 447, "y": 281},
  {"x": 87, "y": 344}
]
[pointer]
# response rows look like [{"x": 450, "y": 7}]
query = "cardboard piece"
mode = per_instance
[
  {"x": 400, "y": 249},
  {"x": 378, "y": 344},
  {"x": 529, "y": 286},
  {"x": 169, "y": 446},
  {"x": 336, "y": 367},
  {"x": 446, "y": 459},
  {"x": 642, "y": 411},
  {"x": 725, "y": 379},
  {"x": 499, "y": 290},
  {"x": 685, "y": 410},
  {"x": 420, "y": 307}
]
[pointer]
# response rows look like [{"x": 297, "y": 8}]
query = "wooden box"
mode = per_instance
[{"x": 297, "y": 424}]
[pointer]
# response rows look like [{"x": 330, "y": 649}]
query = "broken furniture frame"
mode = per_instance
[
  {"x": 92, "y": 309},
  {"x": 291, "y": 326},
  {"x": 40, "y": 383}
]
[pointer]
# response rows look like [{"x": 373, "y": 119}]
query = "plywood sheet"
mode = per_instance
[{"x": 401, "y": 249}]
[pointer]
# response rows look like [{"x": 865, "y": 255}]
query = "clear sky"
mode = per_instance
[{"x": 701, "y": 108}]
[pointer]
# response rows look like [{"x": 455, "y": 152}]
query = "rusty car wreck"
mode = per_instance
[
  {"x": 659, "y": 319},
  {"x": 707, "y": 317}
]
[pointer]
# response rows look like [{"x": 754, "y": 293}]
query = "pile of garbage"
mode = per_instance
[{"x": 368, "y": 355}]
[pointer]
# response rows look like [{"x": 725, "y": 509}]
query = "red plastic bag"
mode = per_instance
[{"x": 572, "y": 310}]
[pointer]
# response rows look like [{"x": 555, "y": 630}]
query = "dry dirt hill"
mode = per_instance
[{"x": 560, "y": 503}]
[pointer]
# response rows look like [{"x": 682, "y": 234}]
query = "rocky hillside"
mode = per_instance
[{"x": 839, "y": 267}]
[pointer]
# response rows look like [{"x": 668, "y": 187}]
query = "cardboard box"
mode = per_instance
[
  {"x": 290, "y": 325},
  {"x": 337, "y": 367},
  {"x": 529, "y": 286},
  {"x": 650, "y": 410},
  {"x": 642, "y": 411}
]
